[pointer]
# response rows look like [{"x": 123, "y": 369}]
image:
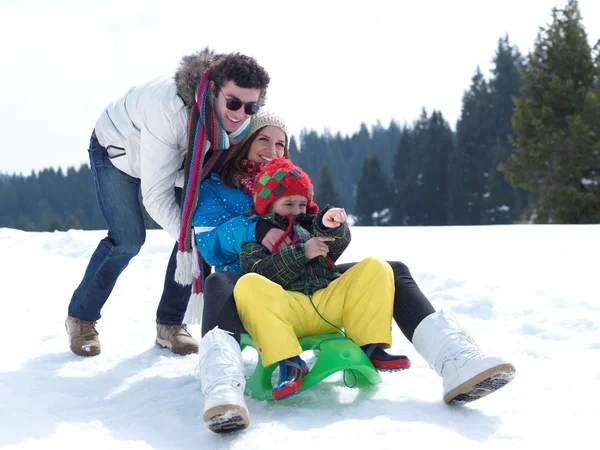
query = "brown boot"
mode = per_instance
[
  {"x": 177, "y": 338},
  {"x": 83, "y": 337}
]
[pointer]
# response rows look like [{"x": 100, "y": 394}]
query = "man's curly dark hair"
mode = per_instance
[{"x": 243, "y": 70}]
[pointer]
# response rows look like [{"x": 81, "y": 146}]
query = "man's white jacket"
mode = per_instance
[{"x": 145, "y": 133}]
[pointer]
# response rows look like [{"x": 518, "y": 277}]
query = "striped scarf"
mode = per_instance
[{"x": 205, "y": 132}]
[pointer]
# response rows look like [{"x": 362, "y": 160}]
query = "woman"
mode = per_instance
[{"x": 222, "y": 225}]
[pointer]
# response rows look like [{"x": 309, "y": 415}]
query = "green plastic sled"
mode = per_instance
[{"x": 334, "y": 353}]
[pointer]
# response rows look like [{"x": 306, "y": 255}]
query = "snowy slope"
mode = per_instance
[{"x": 527, "y": 292}]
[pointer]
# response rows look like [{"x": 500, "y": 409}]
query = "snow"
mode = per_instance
[{"x": 527, "y": 292}]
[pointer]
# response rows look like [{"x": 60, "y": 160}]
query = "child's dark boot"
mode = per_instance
[
  {"x": 383, "y": 361},
  {"x": 291, "y": 371}
]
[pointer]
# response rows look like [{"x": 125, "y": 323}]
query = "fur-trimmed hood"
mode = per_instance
[{"x": 190, "y": 72}]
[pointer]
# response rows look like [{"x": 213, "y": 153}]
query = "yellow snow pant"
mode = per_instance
[{"x": 360, "y": 301}]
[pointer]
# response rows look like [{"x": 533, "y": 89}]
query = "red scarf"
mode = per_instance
[{"x": 248, "y": 176}]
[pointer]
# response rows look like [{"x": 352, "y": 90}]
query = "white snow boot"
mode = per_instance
[
  {"x": 222, "y": 378},
  {"x": 468, "y": 374}
]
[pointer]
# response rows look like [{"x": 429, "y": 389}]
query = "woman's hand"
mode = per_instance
[
  {"x": 272, "y": 236},
  {"x": 317, "y": 247},
  {"x": 334, "y": 217}
]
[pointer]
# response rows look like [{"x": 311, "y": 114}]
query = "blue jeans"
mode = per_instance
[{"x": 118, "y": 196}]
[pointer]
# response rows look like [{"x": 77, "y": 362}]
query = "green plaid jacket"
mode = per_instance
[{"x": 290, "y": 267}]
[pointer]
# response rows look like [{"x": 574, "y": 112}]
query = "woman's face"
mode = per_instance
[{"x": 268, "y": 144}]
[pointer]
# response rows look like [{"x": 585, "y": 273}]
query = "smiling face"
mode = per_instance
[
  {"x": 289, "y": 206},
  {"x": 232, "y": 120},
  {"x": 268, "y": 144}
]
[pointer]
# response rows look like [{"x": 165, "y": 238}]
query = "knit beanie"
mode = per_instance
[
  {"x": 264, "y": 118},
  {"x": 281, "y": 178}
]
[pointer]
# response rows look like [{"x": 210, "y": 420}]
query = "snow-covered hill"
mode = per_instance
[{"x": 527, "y": 292}]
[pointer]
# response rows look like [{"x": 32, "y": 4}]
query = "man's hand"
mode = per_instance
[
  {"x": 317, "y": 247},
  {"x": 334, "y": 217},
  {"x": 272, "y": 236}
]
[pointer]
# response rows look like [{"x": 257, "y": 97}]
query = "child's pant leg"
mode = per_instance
[
  {"x": 267, "y": 312},
  {"x": 366, "y": 295}
]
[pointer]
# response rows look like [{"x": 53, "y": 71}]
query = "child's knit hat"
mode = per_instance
[{"x": 281, "y": 178}]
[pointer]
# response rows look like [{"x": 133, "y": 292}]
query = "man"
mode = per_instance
[{"x": 158, "y": 138}]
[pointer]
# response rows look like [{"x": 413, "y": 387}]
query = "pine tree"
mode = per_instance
[
  {"x": 380, "y": 144},
  {"x": 312, "y": 149},
  {"x": 72, "y": 223},
  {"x": 472, "y": 160},
  {"x": 293, "y": 149},
  {"x": 415, "y": 163},
  {"x": 373, "y": 198},
  {"x": 326, "y": 193},
  {"x": 434, "y": 188},
  {"x": 503, "y": 203},
  {"x": 557, "y": 124},
  {"x": 401, "y": 186}
]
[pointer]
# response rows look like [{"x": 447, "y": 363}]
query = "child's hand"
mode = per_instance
[
  {"x": 317, "y": 247},
  {"x": 273, "y": 236},
  {"x": 334, "y": 217}
]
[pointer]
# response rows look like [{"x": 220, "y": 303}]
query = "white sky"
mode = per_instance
[
  {"x": 333, "y": 64},
  {"x": 531, "y": 296}
]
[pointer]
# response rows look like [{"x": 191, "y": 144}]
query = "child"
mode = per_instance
[{"x": 298, "y": 291}]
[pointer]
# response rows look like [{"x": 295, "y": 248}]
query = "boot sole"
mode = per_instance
[
  {"x": 80, "y": 352},
  {"x": 226, "y": 418},
  {"x": 162, "y": 343},
  {"x": 481, "y": 385},
  {"x": 391, "y": 366}
]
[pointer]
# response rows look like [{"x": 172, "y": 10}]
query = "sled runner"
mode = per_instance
[{"x": 334, "y": 353}]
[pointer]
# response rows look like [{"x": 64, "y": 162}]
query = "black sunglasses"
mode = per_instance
[{"x": 233, "y": 104}]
